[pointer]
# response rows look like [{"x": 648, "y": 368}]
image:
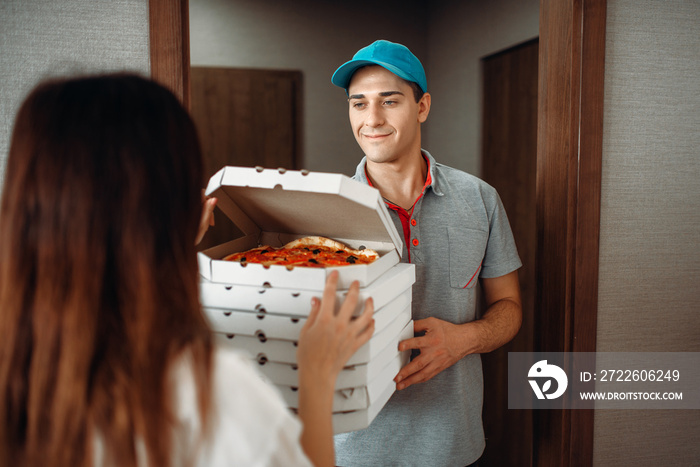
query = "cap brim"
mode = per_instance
[{"x": 343, "y": 74}]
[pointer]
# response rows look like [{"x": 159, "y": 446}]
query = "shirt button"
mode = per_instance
[
  {"x": 415, "y": 242},
  {"x": 413, "y": 222}
]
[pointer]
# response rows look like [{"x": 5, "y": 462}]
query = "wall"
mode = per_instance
[
  {"x": 317, "y": 36},
  {"x": 650, "y": 215},
  {"x": 314, "y": 37},
  {"x": 461, "y": 33},
  {"x": 46, "y": 38}
]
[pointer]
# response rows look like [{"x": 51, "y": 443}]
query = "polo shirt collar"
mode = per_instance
[{"x": 361, "y": 173}]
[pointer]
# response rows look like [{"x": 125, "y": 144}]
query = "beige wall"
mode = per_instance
[
  {"x": 47, "y": 38},
  {"x": 650, "y": 216},
  {"x": 461, "y": 33},
  {"x": 312, "y": 36},
  {"x": 317, "y": 36}
]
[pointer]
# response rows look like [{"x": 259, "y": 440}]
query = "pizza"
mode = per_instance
[{"x": 312, "y": 252}]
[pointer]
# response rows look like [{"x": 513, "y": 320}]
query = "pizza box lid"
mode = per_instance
[
  {"x": 274, "y": 326},
  {"x": 293, "y": 302},
  {"x": 358, "y": 398},
  {"x": 273, "y": 207},
  {"x": 284, "y": 351},
  {"x": 356, "y": 420},
  {"x": 350, "y": 376}
]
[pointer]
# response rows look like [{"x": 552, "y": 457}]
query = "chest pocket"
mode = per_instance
[{"x": 466, "y": 248}]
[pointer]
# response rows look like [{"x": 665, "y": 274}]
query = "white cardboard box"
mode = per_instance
[
  {"x": 358, "y": 398},
  {"x": 273, "y": 207},
  {"x": 297, "y": 302},
  {"x": 352, "y": 376},
  {"x": 344, "y": 422},
  {"x": 231, "y": 321},
  {"x": 284, "y": 351}
]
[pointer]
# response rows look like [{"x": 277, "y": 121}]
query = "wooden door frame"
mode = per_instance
[{"x": 569, "y": 164}]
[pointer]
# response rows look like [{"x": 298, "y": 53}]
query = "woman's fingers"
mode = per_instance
[
  {"x": 328, "y": 301},
  {"x": 315, "y": 309},
  {"x": 347, "y": 309},
  {"x": 207, "y": 218}
]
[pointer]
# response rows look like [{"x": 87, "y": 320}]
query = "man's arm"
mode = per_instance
[{"x": 444, "y": 343}]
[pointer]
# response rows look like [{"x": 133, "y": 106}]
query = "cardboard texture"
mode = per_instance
[
  {"x": 271, "y": 326},
  {"x": 358, "y": 398},
  {"x": 297, "y": 302},
  {"x": 284, "y": 351},
  {"x": 344, "y": 422},
  {"x": 353, "y": 376},
  {"x": 273, "y": 207}
]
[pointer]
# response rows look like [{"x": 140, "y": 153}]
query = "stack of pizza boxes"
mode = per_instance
[{"x": 261, "y": 310}]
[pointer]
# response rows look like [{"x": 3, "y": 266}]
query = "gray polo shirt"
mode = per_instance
[{"x": 457, "y": 232}]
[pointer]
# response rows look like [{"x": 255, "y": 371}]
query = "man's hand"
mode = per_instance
[{"x": 444, "y": 343}]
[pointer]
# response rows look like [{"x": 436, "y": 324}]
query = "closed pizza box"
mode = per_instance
[
  {"x": 297, "y": 302},
  {"x": 358, "y": 398},
  {"x": 271, "y": 326},
  {"x": 352, "y": 376},
  {"x": 356, "y": 420},
  {"x": 284, "y": 351},
  {"x": 273, "y": 207}
]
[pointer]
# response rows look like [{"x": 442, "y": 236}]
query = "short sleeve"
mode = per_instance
[
  {"x": 249, "y": 422},
  {"x": 501, "y": 256}
]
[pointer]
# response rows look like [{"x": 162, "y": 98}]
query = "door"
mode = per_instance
[
  {"x": 245, "y": 117},
  {"x": 509, "y": 158}
]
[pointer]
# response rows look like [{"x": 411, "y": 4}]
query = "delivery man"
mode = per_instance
[{"x": 457, "y": 234}]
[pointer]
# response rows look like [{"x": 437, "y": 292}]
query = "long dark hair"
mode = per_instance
[{"x": 98, "y": 272}]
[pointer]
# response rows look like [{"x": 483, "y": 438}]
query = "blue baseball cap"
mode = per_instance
[{"x": 394, "y": 57}]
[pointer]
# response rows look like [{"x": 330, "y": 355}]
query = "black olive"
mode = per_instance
[
  {"x": 265, "y": 251},
  {"x": 351, "y": 259},
  {"x": 340, "y": 251},
  {"x": 313, "y": 261},
  {"x": 306, "y": 249},
  {"x": 243, "y": 260},
  {"x": 316, "y": 251}
]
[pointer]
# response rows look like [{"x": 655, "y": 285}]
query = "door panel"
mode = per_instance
[
  {"x": 245, "y": 118},
  {"x": 509, "y": 157}
]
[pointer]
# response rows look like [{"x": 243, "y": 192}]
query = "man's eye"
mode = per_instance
[
  {"x": 389, "y": 102},
  {"x": 359, "y": 105}
]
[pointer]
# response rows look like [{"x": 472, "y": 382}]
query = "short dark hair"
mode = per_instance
[{"x": 417, "y": 91}]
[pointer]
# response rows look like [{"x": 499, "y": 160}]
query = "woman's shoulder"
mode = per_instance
[{"x": 248, "y": 422}]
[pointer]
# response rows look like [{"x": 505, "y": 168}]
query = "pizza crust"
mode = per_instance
[{"x": 327, "y": 242}]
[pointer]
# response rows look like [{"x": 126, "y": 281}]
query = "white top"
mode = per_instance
[{"x": 250, "y": 424}]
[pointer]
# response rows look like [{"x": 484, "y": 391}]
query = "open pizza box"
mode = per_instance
[
  {"x": 274, "y": 207},
  {"x": 272, "y": 326},
  {"x": 296, "y": 302},
  {"x": 351, "y": 376},
  {"x": 284, "y": 351}
]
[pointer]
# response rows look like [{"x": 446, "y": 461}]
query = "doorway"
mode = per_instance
[
  {"x": 509, "y": 163},
  {"x": 245, "y": 117}
]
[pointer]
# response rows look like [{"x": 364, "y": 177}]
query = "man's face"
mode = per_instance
[{"x": 384, "y": 116}]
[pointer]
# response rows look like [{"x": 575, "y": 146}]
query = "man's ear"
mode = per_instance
[{"x": 423, "y": 108}]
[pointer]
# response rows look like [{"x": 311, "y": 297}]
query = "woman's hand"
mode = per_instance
[
  {"x": 326, "y": 342},
  {"x": 207, "y": 218}
]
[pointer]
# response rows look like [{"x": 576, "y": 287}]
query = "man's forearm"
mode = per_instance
[{"x": 496, "y": 328}]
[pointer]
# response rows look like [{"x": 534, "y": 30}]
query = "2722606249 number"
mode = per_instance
[{"x": 638, "y": 375}]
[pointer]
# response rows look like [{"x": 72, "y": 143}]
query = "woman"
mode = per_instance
[{"x": 105, "y": 357}]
